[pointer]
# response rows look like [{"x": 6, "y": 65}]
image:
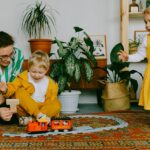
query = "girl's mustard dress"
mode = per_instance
[{"x": 145, "y": 91}]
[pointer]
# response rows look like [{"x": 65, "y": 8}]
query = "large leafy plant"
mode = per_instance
[
  {"x": 76, "y": 60},
  {"x": 38, "y": 19},
  {"x": 118, "y": 71}
]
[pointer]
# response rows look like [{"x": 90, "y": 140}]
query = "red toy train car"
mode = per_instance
[
  {"x": 59, "y": 123},
  {"x": 63, "y": 123},
  {"x": 37, "y": 126}
]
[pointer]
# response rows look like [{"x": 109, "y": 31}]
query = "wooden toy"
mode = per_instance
[{"x": 13, "y": 103}]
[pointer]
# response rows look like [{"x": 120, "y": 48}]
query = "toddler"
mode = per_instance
[{"x": 37, "y": 93}]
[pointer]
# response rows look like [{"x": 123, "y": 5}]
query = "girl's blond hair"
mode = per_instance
[
  {"x": 147, "y": 10},
  {"x": 39, "y": 58}
]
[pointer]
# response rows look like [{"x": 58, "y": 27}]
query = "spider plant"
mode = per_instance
[{"x": 38, "y": 19}]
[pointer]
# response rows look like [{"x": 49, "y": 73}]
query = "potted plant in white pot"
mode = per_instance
[
  {"x": 38, "y": 19},
  {"x": 115, "y": 94},
  {"x": 76, "y": 61}
]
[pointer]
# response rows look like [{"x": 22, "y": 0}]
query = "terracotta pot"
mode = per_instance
[{"x": 40, "y": 44}]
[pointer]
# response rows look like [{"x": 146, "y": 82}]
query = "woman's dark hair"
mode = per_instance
[{"x": 5, "y": 39}]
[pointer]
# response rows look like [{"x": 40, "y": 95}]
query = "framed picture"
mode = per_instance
[
  {"x": 139, "y": 35},
  {"x": 99, "y": 42},
  {"x": 138, "y": 38}
]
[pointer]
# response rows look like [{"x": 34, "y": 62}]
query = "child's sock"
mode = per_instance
[{"x": 23, "y": 120}]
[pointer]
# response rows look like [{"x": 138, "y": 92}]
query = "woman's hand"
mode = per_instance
[
  {"x": 123, "y": 55},
  {"x": 5, "y": 113},
  {"x": 3, "y": 87},
  {"x": 2, "y": 99}
]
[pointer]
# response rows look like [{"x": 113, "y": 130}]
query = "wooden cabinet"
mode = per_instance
[{"x": 94, "y": 84}]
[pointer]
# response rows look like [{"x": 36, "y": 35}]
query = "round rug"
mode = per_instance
[{"x": 81, "y": 124}]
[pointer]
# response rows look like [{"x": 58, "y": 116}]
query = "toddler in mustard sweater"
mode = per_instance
[{"x": 37, "y": 93}]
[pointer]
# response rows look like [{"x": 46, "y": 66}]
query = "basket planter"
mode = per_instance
[
  {"x": 69, "y": 101},
  {"x": 115, "y": 97}
]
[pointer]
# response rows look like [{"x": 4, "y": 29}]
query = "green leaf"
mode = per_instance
[
  {"x": 134, "y": 71},
  {"x": 88, "y": 70},
  {"x": 89, "y": 55},
  {"x": 89, "y": 43},
  {"x": 134, "y": 84},
  {"x": 114, "y": 53},
  {"x": 74, "y": 43},
  {"x": 77, "y": 73},
  {"x": 62, "y": 83},
  {"x": 70, "y": 64},
  {"x": 125, "y": 75},
  {"x": 62, "y": 52},
  {"x": 55, "y": 70},
  {"x": 118, "y": 66},
  {"x": 78, "y": 29}
]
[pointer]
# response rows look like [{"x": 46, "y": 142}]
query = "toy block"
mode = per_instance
[{"x": 13, "y": 103}]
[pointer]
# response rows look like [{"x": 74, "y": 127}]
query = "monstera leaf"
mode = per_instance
[{"x": 114, "y": 53}]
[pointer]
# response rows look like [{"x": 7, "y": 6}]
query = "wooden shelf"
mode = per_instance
[
  {"x": 135, "y": 15},
  {"x": 125, "y": 17}
]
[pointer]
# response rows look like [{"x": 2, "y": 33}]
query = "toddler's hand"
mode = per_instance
[{"x": 123, "y": 55}]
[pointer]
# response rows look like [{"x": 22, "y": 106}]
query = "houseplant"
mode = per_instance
[
  {"x": 133, "y": 45},
  {"x": 119, "y": 78},
  {"x": 76, "y": 61},
  {"x": 37, "y": 20}
]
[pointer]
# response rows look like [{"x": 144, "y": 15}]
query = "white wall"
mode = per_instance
[{"x": 95, "y": 16}]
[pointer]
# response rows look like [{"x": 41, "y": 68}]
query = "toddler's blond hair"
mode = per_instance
[{"x": 39, "y": 58}]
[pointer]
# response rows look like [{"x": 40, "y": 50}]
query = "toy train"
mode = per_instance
[{"x": 57, "y": 124}]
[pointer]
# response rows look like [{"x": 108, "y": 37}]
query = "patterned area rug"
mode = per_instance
[{"x": 135, "y": 136}]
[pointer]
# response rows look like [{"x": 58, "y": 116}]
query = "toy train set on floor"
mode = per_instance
[
  {"x": 56, "y": 124},
  {"x": 62, "y": 123},
  {"x": 68, "y": 125}
]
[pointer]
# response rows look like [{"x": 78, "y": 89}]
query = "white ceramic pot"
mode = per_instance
[{"x": 69, "y": 101}]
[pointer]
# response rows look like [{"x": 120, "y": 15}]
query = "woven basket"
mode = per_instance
[{"x": 115, "y": 97}]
